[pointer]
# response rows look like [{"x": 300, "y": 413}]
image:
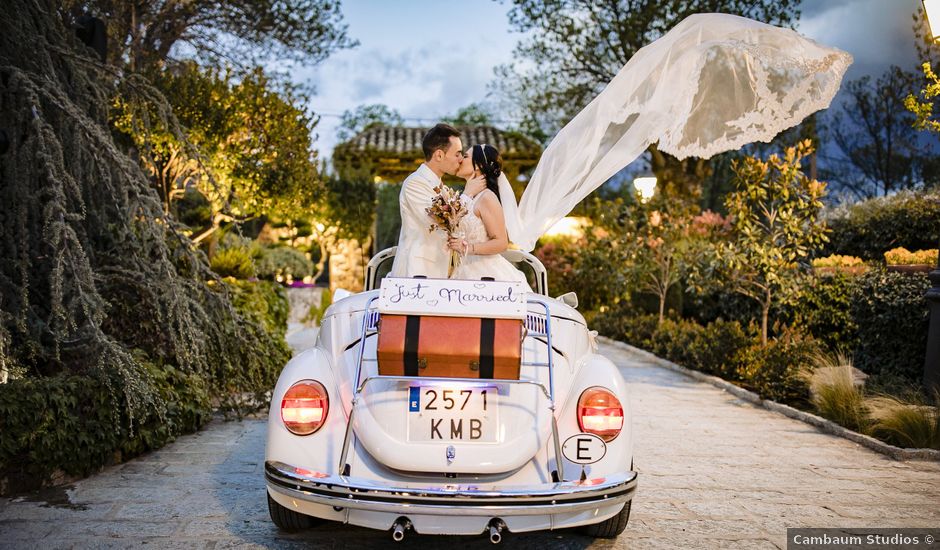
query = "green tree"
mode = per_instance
[
  {"x": 246, "y": 147},
  {"x": 471, "y": 115},
  {"x": 923, "y": 108},
  {"x": 145, "y": 34},
  {"x": 367, "y": 116},
  {"x": 775, "y": 224},
  {"x": 875, "y": 133},
  {"x": 661, "y": 246}
]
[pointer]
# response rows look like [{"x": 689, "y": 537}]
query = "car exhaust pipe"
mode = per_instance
[
  {"x": 496, "y": 529},
  {"x": 398, "y": 530}
]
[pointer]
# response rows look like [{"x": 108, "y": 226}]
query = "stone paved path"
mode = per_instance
[{"x": 714, "y": 473}]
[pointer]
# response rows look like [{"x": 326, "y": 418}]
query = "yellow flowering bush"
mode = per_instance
[
  {"x": 838, "y": 260},
  {"x": 903, "y": 256}
]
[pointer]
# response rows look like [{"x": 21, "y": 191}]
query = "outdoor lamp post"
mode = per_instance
[
  {"x": 646, "y": 186},
  {"x": 932, "y": 358},
  {"x": 932, "y": 9}
]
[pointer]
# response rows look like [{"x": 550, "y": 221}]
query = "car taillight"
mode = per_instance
[
  {"x": 304, "y": 407},
  {"x": 600, "y": 413}
]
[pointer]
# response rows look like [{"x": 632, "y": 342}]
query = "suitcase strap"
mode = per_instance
[
  {"x": 487, "y": 342},
  {"x": 412, "y": 331}
]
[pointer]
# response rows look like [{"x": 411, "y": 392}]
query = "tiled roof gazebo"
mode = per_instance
[{"x": 392, "y": 152}]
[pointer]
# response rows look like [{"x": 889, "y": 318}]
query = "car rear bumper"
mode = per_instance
[{"x": 470, "y": 500}]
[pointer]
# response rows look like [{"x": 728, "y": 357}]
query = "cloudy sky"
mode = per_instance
[{"x": 428, "y": 58}]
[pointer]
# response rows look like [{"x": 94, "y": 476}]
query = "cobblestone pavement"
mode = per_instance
[{"x": 715, "y": 472}]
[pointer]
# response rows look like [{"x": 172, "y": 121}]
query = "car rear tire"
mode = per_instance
[
  {"x": 610, "y": 528},
  {"x": 287, "y": 519}
]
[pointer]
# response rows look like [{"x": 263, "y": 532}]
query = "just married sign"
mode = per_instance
[{"x": 452, "y": 298}]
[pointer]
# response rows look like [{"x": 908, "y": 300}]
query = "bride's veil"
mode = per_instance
[
  {"x": 713, "y": 83},
  {"x": 510, "y": 210}
]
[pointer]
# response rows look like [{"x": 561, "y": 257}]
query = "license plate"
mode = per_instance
[{"x": 466, "y": 414}]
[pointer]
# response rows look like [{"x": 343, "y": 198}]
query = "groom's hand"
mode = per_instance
[{"x": 475, "y": 186}]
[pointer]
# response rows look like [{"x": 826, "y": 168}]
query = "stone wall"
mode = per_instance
[{"x": 347, "y": 265}]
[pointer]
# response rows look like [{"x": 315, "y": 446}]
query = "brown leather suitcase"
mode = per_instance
[{"x": 449, "y": 347}]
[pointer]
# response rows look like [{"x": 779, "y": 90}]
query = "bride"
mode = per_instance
[{"x": 484, "y": 227}]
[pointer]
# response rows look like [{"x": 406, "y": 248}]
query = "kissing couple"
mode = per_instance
[{"x": 488, "y": 198}]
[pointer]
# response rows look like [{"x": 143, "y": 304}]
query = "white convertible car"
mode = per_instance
[{"x": 452, "y": 407}]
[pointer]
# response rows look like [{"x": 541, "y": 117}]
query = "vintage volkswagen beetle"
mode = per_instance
[{"x": 550, "y": 449}]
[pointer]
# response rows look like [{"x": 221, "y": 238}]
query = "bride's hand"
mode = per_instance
[
  {"x": 458, "y": 245},
  {"x": 475, "y": 185}
]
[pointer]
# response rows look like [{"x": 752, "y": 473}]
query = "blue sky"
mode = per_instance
[{"x": 429, "y": 58}]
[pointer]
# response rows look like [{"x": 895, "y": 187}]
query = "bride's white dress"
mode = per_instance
[{"x": 477, "y": 266}]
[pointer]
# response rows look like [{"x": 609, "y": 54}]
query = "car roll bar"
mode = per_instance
[{"x": 536, "y": 327}]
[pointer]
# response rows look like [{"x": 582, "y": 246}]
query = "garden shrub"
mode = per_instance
[
  {"x": 903, "y": 256},
  {"x": 717, "y": 347},
  {"x": 621, "y": 321},
  {"x": 780, "y": 370},
  {"x": 838, "y": 260},
  {"x": 835, "y": 395},
  {"x": 75, "y": 424},
  {"x": 823, "y": 309},
  {"x": 909, "y": 219},
  {"x": 284, "y": 261},
  {"x": 892, "y": 318},
  {"x": 915, "y": 424},
  {"x": 264, "y": 302},
  {"x": 559, "y": 256},
  {"x": 388, "y": 216},
  {"x": 710, "y": 349},
  {"x": 233, "y": 262},
  {"x": 316, "y": 312},
  {"x": 720, "y": 303},
  {"x": 677, "y": 340}
]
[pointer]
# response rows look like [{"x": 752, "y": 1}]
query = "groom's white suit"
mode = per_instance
[{"x": 420, "y": 252}]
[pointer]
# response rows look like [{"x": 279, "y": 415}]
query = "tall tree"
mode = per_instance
[
  {"x": 145, "y": 33},
  {"x": 575, "y": 47},
  {"x": 247, "y": 145},
  {"x": 775, "y": 224},
  {"x": 471, "y": 115},
  {"x": 366, "y": 116},
  {"x": 880, "y": 151}
]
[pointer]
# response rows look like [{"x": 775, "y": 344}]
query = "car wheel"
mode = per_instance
[
  {"x": 287, "y": 519},
  {"x": 610, "y": 528}
]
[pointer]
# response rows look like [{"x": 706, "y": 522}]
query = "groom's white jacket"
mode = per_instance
[{"x": 420, "y": 252}]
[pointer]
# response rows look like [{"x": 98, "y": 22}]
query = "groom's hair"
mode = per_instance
[{"x": 438, "y": 138}]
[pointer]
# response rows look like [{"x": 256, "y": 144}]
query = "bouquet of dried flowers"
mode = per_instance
[{"x": 446, "y": 211}]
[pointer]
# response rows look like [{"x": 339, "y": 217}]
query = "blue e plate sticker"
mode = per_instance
[{"x": 414, "y": 396}]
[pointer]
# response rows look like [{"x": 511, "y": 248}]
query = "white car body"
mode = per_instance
[{"x": 359, "y": 467}]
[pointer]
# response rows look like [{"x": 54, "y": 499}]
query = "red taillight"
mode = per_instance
[
  {"x": 304, "y": 407},
  {"x": 600, "y": 413}
]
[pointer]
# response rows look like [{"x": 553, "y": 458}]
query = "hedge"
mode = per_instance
[
  {"x": 870, "y": 228},
  {"x": 75, "y": 424},
  {"x": 892, "y": 319}
]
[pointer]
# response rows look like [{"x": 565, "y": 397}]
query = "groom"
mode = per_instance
[{"x": 423, "y": 252}]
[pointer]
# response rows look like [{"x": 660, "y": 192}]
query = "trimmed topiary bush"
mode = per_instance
[{"x": 891, "y": 316}]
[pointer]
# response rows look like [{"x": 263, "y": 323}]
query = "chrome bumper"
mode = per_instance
[{"x": 512, "y": 500}]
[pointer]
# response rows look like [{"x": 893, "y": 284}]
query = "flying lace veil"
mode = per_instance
[{"x": 713, "y": 83}]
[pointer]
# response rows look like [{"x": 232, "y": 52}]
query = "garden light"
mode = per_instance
[
  {"x": 569, "y": 226},
  {"x": 645, "y": 186}
]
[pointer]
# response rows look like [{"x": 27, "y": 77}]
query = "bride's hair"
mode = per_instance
[{"x": 486, "y": 158}]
